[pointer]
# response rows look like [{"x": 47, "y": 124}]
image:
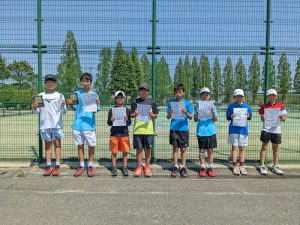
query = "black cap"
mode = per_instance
[
  {"x": 50, "y": 77},
  {"x": 144, "y": 86}
]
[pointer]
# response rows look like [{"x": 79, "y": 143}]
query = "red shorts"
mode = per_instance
[{"x": 119, "y": 144}]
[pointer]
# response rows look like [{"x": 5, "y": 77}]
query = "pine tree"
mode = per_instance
[
  {"x": 254, "y": 75},
  {"x": 228, "y": 80},
  {"x": 187, "y": 78},
  {"x": 138, "y": 70},
  {"x": 104, "y": 70},
  {"x": 297, "y": 77},
  {"x": 284, "y": 76},
  {"x": 179, "y": 72},
  {"x": 196, "y": 78},
  {"x": 240, "y": 75},
  {"x": 146, "y": 67},
  {"x": 217, "y": 84},
  {"x": 205, "y": 71},
  {"x": 272, "y": 75},
  {"x": 163, "y": 81}
]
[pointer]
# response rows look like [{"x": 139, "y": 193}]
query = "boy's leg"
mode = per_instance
[
  {"x": 242, "y": 155},
  {"x": 147, "y": 157},
  {"x": 210, "y": 156},
  {"x": 114, "y": 159},
  {"x": 263, "y": 152},
  {"x": 139, "y": 157},
  {"x": 234, "y": 150},
  {"x": 57, "y": 144},
  {"x": 91, "y": 156},
  {"x": 202, "y": 157},
  {"x": 183, "y": 156},
  {"x": 275, "y": 154},
  {"x": 81, "y": 155},
  {"x": 48, "y": 152},
  {"x": 125, "y": 159},
  {"x": 175, "y": 156}
]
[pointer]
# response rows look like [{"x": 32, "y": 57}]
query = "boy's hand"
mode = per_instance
[
  {"x": 170, "y": 113},
  {"x": 134, "y": 115},
  {"x": 98, "y": 101},
  {"x": 184, "y": 110},
  {"x": 152, "y": 115},
  {"x": 282, "y": 118},
  {"x": 113, "y": 118},
  {"x": 196, "y": 119},
  {"x": 232, "y": 116},
  {"x": 34, "y": 105},
  {"x": 69, "y": 101},
  {"x": 212, "y": 110},
  {"x": 247, "y": 115},
  {"x": 126, "y": 117},
  {"x": 198, "y": 111}
]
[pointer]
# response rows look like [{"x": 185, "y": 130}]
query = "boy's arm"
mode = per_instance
[
  {"x": 196, "y": 117},
  {"x": 249, "y": 116},
  {"x": 128, "y": 121},
  {"x": 169, "y": 111},
  {"x": 214, "y": 114},
  {"x": 109, "y": 122},
  {"x": 188, "y": 111},
  {"x": 133, "y": 113},
  {"x": 154, "y": 112},
  {"x": 229, "y": 113}
]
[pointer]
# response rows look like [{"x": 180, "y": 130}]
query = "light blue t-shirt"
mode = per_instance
[
  {"x": 180, "y": 124},
  {"x": 83, "y": 120},
  {"x": 205, "y": 127}
]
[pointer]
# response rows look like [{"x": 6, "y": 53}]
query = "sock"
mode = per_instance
[
  {"x": 202, "y": 166},
  {"x": 57, "y": 163},
  {"x": 82, "y": 164},
  {"x": 241, "y": 163},
  {"x": 183, "y": 165},
  {"x": 234, "y": 163},
  {"x": 90, "y": 164},
  {"x": 209, "y": 165},
  {"x": 176, "y": 165},
  {"x": 48, "y": 164}
]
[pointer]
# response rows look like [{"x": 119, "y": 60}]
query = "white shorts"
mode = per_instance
[
  {"x": 82, "y": 137},
  {"x": 240, "y": 140}
]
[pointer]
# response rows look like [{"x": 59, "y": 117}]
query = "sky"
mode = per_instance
[{"x": 219, "y": 28}]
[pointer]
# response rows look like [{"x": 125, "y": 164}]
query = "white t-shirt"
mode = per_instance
[{"x": 51, "y": 113}]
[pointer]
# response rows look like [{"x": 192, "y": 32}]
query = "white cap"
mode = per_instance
[
  {"x": 271, "y": 92},
  {"x": 205, "y": 89},
  {"x": 120, "y": 93},
  {"x": 238, "y": 92}
]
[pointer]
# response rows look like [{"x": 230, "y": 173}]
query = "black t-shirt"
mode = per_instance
[{"x": 119, "y": 131}]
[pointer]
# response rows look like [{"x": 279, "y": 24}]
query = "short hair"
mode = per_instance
[
  {"x": 179, "y": 87},
  {"x": 87, "y": 76}
]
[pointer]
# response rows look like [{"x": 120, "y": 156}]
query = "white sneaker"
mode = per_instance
[
  {"x": 243, "y": 170},
  {"x": 276, "y": 170},
  {"x": 236, "y": 170},
  {"x": 263, "y": 170}
]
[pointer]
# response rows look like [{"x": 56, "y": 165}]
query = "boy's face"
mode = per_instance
[
  {"x": 143, "y": 93},
  {"x": 239, "y": 99},
  {"x": 120, "y": 100},
  {"x": 50, "y": 85},
  {"x": 179, "y": 93},
  {"x": 271, "y": 98},
  {"x": 205, "y": 96},
  {"x": 85, "y": 83}
]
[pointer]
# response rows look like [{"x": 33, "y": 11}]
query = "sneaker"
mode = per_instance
[
  {"x": 48, "y": 171},
  {"x": 202, "y": 172},
  {"x": 114, "y": 171},
  {"x": 138, "y": 171},
  {"x": 276, "y": 170},
  {"x": 79, "y": 171},
  {"x": 263, "y": 170},
  {"x": 183, "y": 172},
  {"x": 147, "y": 171},
  {"x": 243, "y": 170},
  {"x": 125, "y": 171},
  {"x": 175, "y": 171},
  {"x": 210, "y": 172},
  {"x": 91, "y": 172},
  {"x": 56, "y": 171},
  {"x": 236, "y": 170}
]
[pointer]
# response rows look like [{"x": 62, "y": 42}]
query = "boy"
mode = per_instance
[
  {"x": 144, "y": 110},
  {"x": 84, "y": 123},
  {"x": 51, "y": 122},
  {"x": 206, "y": 132},
  {"x": 119, "y": 134},
  {"x": 271, "y": 131},
  {"x": 179, "y": 129},
  {"x": 238, "y": 113}
]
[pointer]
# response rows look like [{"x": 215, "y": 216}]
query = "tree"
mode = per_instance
[
  {"x": 187, "y": 76},
  {"x": 22, "y": 72},
  {"x": 138, "y": 70},
  {"x": 217, "y": 84},
  {"x": 284, "y": 76},
  {"x": 240, "y": 75},
  {"x": 163, "y": 81},
  {"x": 104, "y": 69},
  {"x": 131, "y": 84},
  {"x": 4, "y": 71},
  {"x": 254, "y": 74},
  {"x": 228, "y": 80},
  {"x": 196, "y": 78},
  {"x": 146, "y": 67},
  {"x": 205, "y": 71},
  {"x": 297, "y": 77},
  {"x": 272, "y": 75},
  {"x": 179, "y": 72},
  {"x": 69, "y": 70}
]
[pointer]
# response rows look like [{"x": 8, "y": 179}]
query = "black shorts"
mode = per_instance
[
  {"x": 207, "y": 142},
  {"x": 143, "y": 141},
  {"x": 179, "y": 139},
  {"x": 265, "y": 137}
]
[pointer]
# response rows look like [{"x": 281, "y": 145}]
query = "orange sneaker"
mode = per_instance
[
  {"x": 90, "y": 172},
  {"x": 56, "y": 171},
  {"x": 79, "y": 171},
  {"x": 147, "y": 171},
  {"x": 138, "y": 171},
  {"x": 48, "y": 171}
]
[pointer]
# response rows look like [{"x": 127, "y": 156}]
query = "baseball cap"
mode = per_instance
[
  {"x": 271, "y": 92},
  {"x": 117, "y": 93},
  {"x": 205, "y": 89},
  {"x": 238, "y": 92},
  {"x": 144, "y": 86},
  {"x": 50, "y": 77}
]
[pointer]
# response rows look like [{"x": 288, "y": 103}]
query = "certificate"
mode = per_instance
[
  {"x": 272, "y": 117},
  {"x": 89, "y": 102},
  {"x": 176, "y": 108},
  {"x": 205, "y": 109},
  {"x": 119, "y": 113},
  {"x": 143, "y": 112},
  {"x": 39, "y": 100},
  {"x": 240, "y": 119},
  {"x": 74, "y": 98}
]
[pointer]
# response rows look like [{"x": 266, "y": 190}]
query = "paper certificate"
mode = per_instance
[
  {"x": 143, "y": 112},
  {"x": 240, "y": 119},
  {"x": 205, "y": 109},
  {"x": 176, "y": 108},
  {"x": 89, "y": 102},
  {"x": 119, "y": 113},
  {"x": 272, "y": 117}
]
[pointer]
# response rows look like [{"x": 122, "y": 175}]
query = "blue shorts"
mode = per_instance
[{"x": 52, "y": 134}]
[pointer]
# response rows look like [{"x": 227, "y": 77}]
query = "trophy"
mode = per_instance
[
  {"x": 39, "y": 100},
  {"x": 74, "y": 98}
]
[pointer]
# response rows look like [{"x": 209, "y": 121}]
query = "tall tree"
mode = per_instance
[
  {"x": 228, "y": 80},
  {"x": 187, "y": 78},
  {"x": 272, "y": 75},
  {"x": 69, "y": 70},
  {"x": 217, "y": 83},
  {"x": 240, "y": 75},
  {"x": 138, "y": 70},
  {"x": 179, "y": 73},
  {"x": 130, "y": 75},
  {"x": 163, "y": 81},
  {"x": 254, "y": 75},
  {"x": 196, "y": 78},
  {"x": 297, "y": 77},
  {"x": 146, "y": 67},
  {"x": 284, "y": 76},
  {"x": 104, "y": 69},
  {"x": 205, "y": 71},
  {"x": 4, "y": 71}
]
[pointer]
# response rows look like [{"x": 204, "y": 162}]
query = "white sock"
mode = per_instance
[
  {"x": 176, "y": 165},
  {"x": 48, "y": 164},
  {"x": 57, "y": 163},
  {"x": 210, "y": 165},
  {"x": 82, "y": 164},
  {"x": 202, "y": 166},
  {"x": 90, "y": 164}
]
